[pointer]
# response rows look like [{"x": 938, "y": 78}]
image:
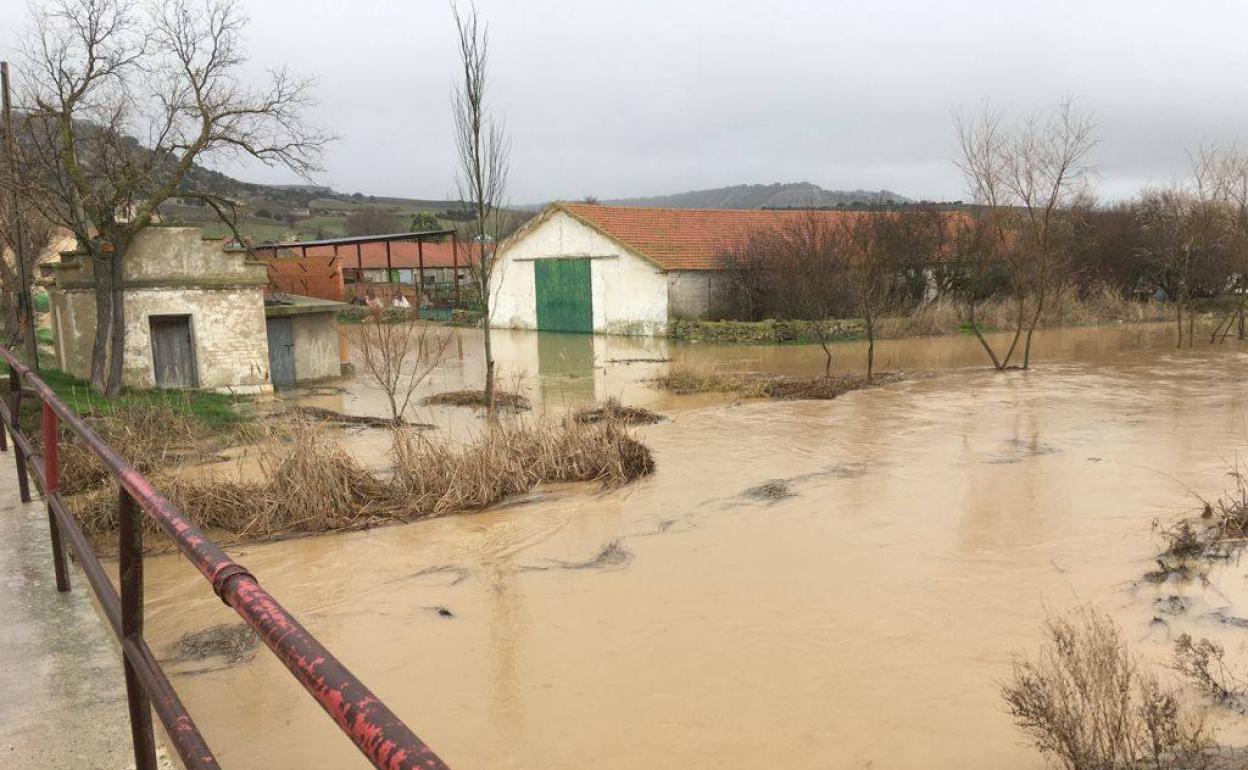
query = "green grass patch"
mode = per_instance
[{"x": 213, "y": 410}]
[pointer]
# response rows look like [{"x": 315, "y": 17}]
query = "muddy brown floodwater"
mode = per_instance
[{"x": 859, "y": 613}]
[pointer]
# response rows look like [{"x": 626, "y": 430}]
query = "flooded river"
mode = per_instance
[{"x": 862, "y": 620}]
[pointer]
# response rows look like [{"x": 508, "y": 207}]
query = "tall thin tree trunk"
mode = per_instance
[
  {"x": 870, "y": 348},
  {"x": 979, "y": 336},
  {"x": 1031, "y": 329},
  {"x": 103, "y": 324},
  {"x": 1018, "y": 332},
  {"x": 486, "y": 330},
  {"x": 117, "y": 341},
  {"x": 1178, "y": 318}
]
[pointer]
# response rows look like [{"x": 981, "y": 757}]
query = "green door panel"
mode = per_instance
[{"x": 564, "y": 295}]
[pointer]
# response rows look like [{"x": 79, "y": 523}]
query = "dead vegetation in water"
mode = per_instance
[
  {"x": 1086, "y": 703},
  {"x": 308, "y": 483},
  {"x": 232, "y": 642},
  {"x": 613, "y": 410},
  {"x": 1217, "y": 533},
  {"x": 338, "y": 418},
  {"x": 1203, "y": 663},
  {"x": 683, "y": 380},
  {"x": 477, "y": 398}
]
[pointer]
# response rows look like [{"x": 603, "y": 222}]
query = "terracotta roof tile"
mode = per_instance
[{"x": 682, "y": 239}]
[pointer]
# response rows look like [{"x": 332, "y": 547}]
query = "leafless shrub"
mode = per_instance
[
  {"x": 1087, "y": 705},
  {"x": 1204, "y": 664},
  {"x": 398, "y": 357}
]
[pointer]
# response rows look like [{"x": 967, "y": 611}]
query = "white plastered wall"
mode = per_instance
[{"x": 629, "y": 292}]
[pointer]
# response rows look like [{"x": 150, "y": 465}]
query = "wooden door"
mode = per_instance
[
  {"x": 564, "y": 295},
  {"x": 281, "y": 351},
  {"x": 173, "y": 354}
]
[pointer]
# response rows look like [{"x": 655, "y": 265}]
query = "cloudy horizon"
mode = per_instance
[{"x": 648, "y": 98}]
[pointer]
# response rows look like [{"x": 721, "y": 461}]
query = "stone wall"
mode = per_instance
[
  {"x": 316, "y": 346},
  {"x": 699, "y": 295}
]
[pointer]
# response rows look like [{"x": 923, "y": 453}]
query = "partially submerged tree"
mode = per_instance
[
  {"x": 483, "y": 152},
  {"x": 120, "y": 105},
  {"x": 398, "y": 357},
  {"x": 1025, "y": 180},
  {"x": 1184, "y": 234}
]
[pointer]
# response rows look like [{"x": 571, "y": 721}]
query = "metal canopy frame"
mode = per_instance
[{"x": 418, "y": 237}]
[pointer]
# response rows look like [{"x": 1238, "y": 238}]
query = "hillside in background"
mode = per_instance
[
  {"x": 790, "y": 195},
  {"x": 275, "y": 213}
]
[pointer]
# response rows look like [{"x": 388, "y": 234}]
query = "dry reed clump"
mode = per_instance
[
  {"x": 309, "y": 484},
  {"x": 477, "y": 398},
  {"x": 613, "y": 410},
  {"x": 684, "y": 380},
  {"x": 1087, "y": 705},
  {"x": 437, "y": 477},
  {"x": 149, "y": 435}
]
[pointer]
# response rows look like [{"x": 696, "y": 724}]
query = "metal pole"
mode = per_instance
[
  {"x": 130, "y": 569},
  {"x": 420, "y": 279},
  {"x": 25, "y": 308},
  {"x": 390, "y": 273},
  {"x": 51, "y": 486}
]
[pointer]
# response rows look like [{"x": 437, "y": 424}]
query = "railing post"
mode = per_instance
[
  {"x": 52, "y": 484},
  {"x": 130, "y": 553},
  {"x": 15, "y": 413}
]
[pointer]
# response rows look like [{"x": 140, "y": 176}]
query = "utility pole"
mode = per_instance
[{"x": 17, "y": 236}]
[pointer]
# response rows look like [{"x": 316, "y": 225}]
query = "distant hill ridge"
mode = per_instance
[{"x": 782, "y": 195}]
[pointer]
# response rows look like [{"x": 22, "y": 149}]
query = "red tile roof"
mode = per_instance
[
  {"x": 682, "y": 239},
  {"x": 403, "y": 254}
]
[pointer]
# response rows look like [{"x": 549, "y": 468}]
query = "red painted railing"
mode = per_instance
[{"x": 380, "y": 735}]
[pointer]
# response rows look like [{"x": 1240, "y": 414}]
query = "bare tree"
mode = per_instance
[
  {"x": 398, "y": 357},
  {"x": 1185, "y": 232},
  {"x": 1025, "y": 180},
  {"x": 1226, "y": 169},
  {"x": 121, "y": 104},
  {"x": 483, "y": 154}
]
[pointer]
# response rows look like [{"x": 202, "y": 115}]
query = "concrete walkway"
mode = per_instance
[{"x": 62, "y": 699}]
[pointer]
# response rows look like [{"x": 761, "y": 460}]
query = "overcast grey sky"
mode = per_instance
[{"x": 643, "y": 97}]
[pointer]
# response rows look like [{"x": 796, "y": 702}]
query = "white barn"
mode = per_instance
[{"x": 614, "y": 269}]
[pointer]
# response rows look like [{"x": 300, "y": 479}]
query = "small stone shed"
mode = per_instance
[
  {"x": 195, "y": 317},
  {"x": 303, "y": 339}
]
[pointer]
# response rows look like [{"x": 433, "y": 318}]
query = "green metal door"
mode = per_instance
[{"x": 564, "y": 297}]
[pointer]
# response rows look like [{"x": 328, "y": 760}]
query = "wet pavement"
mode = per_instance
[{"x": 63, "y": 701}]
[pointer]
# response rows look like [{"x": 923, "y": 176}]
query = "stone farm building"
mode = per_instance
[
  {"x": 196, "y": 316},
  {"x": 620, "y": 270}
]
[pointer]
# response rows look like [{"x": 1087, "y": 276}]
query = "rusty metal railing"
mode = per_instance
[{"x": 376, "y": 731}]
